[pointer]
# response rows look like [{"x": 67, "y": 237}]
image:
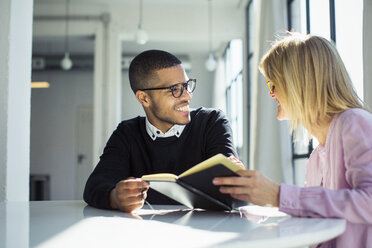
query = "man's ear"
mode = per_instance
[{"x": 143, "y": 98}]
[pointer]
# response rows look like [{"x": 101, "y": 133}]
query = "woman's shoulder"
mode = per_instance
[
  {"x": 355, "y": 114},
  {"x": 354, "y": 120}
]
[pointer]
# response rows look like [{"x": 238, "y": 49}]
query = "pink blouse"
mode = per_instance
[{"x": 339, "y": 180}]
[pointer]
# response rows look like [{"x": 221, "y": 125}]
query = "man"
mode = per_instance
[{"x": 170, "y": 139}]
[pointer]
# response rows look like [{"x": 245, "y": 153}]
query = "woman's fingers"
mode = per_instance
[
  {"x": 247, "y": 177},
  {"x": 251, "y": 186},
  {"x": 235, "y": 190}
]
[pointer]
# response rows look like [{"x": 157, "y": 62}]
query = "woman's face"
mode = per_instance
[{"x": 281, "y": 114}]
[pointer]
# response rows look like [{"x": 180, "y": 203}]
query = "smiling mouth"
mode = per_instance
[{"x": 185, "y": 108}]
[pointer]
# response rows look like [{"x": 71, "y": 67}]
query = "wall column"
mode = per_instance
[
  {"x": 267, "y": 134},
  {"x": 15, "y": 98},
  {"x": 107, "y": 86}
]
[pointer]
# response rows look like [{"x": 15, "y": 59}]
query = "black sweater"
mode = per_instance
[{"x": 130, "y": 152}]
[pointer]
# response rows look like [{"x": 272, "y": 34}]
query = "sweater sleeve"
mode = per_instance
[
  {"x": 219, "y": 138},
  {"x": 112, "y": 167},
  {"x": 352, "y": 203}
]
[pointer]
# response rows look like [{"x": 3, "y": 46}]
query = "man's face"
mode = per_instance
[{"x": 163, "y": 109}]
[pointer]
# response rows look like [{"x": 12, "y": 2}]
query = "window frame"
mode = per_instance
[{"x": 298, "y": 156}]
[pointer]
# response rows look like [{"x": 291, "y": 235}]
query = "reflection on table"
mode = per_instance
[{"x": 74, "y": 224}]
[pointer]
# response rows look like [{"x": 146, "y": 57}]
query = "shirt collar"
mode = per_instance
[{"x": 154, "y": 133}]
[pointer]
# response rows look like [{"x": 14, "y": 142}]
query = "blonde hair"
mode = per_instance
[{"x": 311, "y": 78}]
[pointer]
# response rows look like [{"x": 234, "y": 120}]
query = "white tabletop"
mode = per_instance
[{"x": 74, "y": 224}]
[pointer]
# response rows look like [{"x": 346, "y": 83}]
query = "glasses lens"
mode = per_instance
[
  {"x": 177, "y": 90},
  {"x": 191, "y": 85}
]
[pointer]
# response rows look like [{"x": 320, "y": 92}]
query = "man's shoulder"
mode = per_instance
[
  {"x": 207, "y": 113},
  {"x": 208, "y": 118},
  {"x": 130, "y": 124}
]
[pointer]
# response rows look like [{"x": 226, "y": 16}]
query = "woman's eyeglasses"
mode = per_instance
[
  {"x": 177, "y": 89},
  {"x": 270, "y": 85}
]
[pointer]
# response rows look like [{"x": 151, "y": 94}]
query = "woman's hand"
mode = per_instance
[{"x": 251, "y": 186}]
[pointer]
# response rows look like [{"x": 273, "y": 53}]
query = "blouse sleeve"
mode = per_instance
[{"x": 352, "y": 203}]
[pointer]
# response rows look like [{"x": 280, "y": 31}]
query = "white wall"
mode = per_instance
[
  {"x": 203, "y": 93},
  {"x": 130, "y": 106},
  {"x": 53, "y": 126}
]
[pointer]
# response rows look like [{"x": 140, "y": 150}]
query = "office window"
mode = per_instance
[
  {"x": 349, "y": 39},
  {"x": 320, "y": 18},
  {"x": 298, "y": 21},
  {"x": 234, "y": 92},
  {"x": 328, "y": 19},
  {"x": 297, "y": 16},
  {"x": 337, "y": 20}
]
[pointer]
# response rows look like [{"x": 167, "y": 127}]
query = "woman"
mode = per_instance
[{"x": 308, "y": 79}]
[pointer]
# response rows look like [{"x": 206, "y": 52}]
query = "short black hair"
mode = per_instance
[{"x": 143, "y": 66}]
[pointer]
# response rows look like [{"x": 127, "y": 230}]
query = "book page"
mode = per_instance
[
  {"x": 217, "y": 159},
  {"x": 160, "y": 177}
]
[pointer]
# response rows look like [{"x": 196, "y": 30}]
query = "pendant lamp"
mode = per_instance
[
  {"x": 211, "y": 63},
  {"x": 66, "y": 62},
  {"x": 141, "y": 36}
]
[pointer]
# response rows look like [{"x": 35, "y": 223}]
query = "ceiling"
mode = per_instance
[
  {"x": 195, "y": 3},
  {"x": 85, "y": 46},
  {"x": 192, "y": 37}
]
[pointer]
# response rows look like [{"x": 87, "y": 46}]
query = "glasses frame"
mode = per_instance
[
  {"x": 184, "y": 85},
  {"x": 270, "y": 85}
]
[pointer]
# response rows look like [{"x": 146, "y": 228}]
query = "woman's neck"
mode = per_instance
[{"x": 320, "y": 131}]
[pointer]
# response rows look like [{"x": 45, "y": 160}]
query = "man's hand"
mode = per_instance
[{"x": 129, "y": 194}]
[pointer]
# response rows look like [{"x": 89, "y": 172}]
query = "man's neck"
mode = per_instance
[{"x": 162, "y": 128}]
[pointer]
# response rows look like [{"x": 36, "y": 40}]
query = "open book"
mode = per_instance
[{"x": 194, "y": 187}]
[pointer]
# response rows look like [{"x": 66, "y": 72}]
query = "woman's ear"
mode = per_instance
[{"x": 143, "y": 98}]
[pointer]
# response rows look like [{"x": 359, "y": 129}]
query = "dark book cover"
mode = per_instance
[
  {"x": 197, "y": 190},
  {"x": 202, "y": 181}
]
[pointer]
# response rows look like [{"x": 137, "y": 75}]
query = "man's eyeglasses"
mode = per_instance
[
  {"x": 270, "y": 85},
  {"x": 177, "y": 89}
]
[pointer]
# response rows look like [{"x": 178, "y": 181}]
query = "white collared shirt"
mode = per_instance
[{"x": 154, "y": 133}]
